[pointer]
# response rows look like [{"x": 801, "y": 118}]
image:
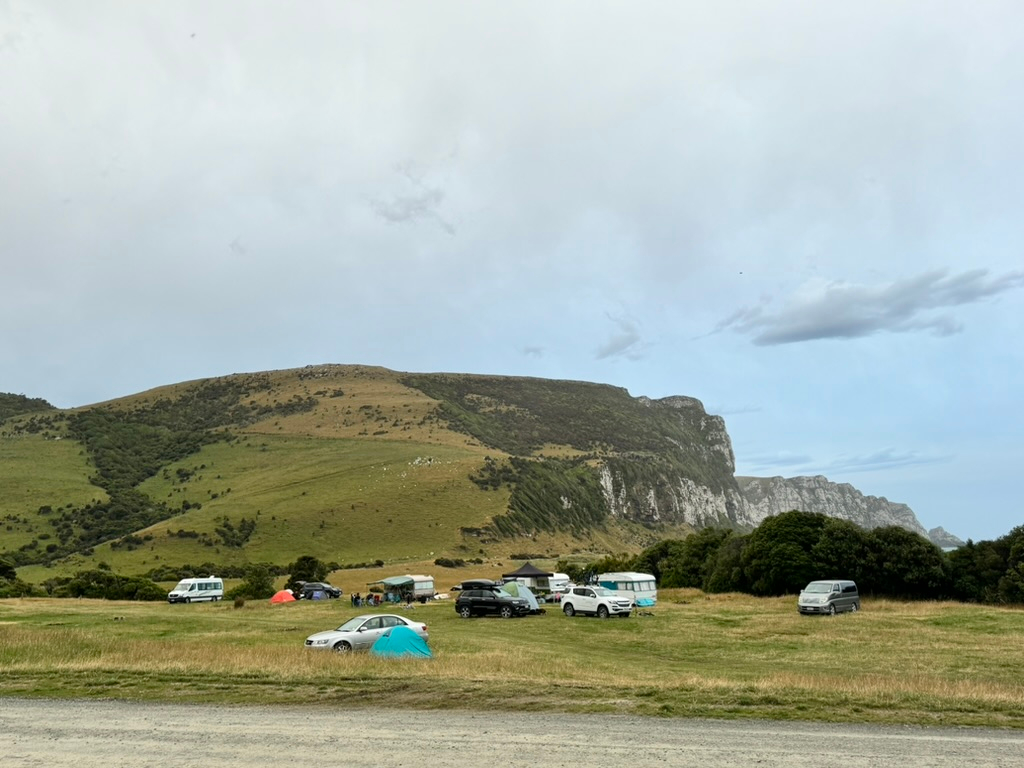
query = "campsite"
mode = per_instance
[{"x": 697, "y": 655}]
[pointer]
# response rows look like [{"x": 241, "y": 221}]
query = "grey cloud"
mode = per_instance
[
  {"x": 422, "y": 203},
  {"x": 830, "y": 310},
  {"x": 533, "y": 351},
  {"x": 626, "y": 343}
]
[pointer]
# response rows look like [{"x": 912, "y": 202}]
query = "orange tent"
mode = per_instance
[{"x": 284, "y": 596}]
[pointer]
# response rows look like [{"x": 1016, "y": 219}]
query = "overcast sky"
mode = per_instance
[{"x": 806, "y": 214}]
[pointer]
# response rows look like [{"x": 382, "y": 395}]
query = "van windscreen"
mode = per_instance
[{"x": 819, "y": 587}]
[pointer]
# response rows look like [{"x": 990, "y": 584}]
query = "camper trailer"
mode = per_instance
[
  {"x": 422, "y": 588},
  {"x": 641, "y": 588},
  {"x": 558, "y": 582},
  {"x": 210, "y": 589}
]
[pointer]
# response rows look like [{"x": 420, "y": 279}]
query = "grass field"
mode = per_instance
[{"x": 727, "y": 656}]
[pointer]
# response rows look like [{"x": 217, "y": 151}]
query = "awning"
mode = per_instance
[{"x": 393, "y": 581}]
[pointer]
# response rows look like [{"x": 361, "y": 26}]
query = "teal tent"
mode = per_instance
[{"x": 401, "y": 642}]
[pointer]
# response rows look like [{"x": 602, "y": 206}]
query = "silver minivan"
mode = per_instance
[{"x": 830, "y": 597}]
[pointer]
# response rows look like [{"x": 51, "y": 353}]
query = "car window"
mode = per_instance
[{"x": 374, "y": 623}]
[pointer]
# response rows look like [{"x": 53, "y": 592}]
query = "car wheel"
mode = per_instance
[
  {"x": 855, "y": 607},
  {"x": 506, "y": 611},
  {"x": 465, "y": 612},
  {"x": 832, "y": 610},
  {"x": 188, "y": 599},
  {"x": 342, "y": 647},
  {"x": 568, "y": 610},
  {"x": 602, "y": 611}
]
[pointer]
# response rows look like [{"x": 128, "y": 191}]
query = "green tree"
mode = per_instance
[
  {"x": 841, "y": 551},
  {"x": 696, "y": 560},
  {"x": 726, "y": 572},
  {"x": 777, "y": 559},
  {"x": 975, "y": 571},
  {"x": 905, "y": 565},
  {"x": 306, "y": 568},
  {"x": 659, "y": 559},
  {"x": 258, "y": 584}
]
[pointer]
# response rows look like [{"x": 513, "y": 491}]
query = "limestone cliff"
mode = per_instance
[
  {"x": 654, "y": 490},
  {"x": 770, "y": 496}
]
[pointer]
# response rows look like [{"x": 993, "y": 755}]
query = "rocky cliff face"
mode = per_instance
[
  {"x": 772, "y": 495},
  {"x": 694, "y": 484},
  {"x": 678, "y": 490}
]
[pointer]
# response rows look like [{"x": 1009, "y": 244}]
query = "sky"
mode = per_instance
[{"x": 805, "y": 214}]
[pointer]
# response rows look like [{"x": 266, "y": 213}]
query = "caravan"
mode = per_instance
[
  {"x": 641, "y": 588},
  {"x": 197, "y": 590}
]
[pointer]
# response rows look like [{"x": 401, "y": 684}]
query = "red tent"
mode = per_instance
[{"x": 284, "y": 596}]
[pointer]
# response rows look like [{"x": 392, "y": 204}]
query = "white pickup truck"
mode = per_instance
[{"x": 596, "y": 601}]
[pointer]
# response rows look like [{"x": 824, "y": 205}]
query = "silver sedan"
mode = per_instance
[{"x": 361, "y": 632}]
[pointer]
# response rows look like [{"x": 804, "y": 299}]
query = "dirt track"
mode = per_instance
[{"x": 85, "y": 734}]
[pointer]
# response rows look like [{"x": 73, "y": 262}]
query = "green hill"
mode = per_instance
[{"x": 348, "y": 463}]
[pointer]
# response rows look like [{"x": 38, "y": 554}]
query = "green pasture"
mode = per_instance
[
  {"x": 33, "y": 469},
  {"x": 695, "y": 655},
  {"x": 341, "y": 500}
]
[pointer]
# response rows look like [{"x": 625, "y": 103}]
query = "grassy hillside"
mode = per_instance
[
  {"x": 347, "y": 463},
  {"x": 40, "y": 477}
]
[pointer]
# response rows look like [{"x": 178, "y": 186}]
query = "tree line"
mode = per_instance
[{"x": 787, "y": 551}]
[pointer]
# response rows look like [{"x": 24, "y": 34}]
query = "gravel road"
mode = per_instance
[{"x": 85, "y": 734}]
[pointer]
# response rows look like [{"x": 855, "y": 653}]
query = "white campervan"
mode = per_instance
[
  {"x": 210, "y": 589},
  {"x": 641, "y": 588}
]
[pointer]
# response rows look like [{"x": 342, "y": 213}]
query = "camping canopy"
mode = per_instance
[
  {"x": 401, "y": 642},
  {"x": 284, "y": 596},
  {"x": 516, "y": 589},
  {"x": 528, "y": 571}
]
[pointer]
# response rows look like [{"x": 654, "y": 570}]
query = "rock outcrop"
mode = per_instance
[
  {"x": 942, "y": 538},
  {"x": 766, "y": 496}
]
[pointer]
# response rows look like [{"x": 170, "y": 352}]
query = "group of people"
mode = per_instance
[
  {"x": 376, "y": 598},
  {"x": 372, "y": 599}
]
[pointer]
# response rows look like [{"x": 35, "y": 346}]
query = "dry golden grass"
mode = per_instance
[{"x": 720, "y": 655}]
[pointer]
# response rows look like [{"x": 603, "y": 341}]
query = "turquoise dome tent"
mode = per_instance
[{"x": 401, "y": 642}]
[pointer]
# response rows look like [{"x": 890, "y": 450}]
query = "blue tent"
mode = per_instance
[{"x": 399, "y": 642}]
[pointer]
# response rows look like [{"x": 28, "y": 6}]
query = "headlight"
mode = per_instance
[{"x": 320, "y": 642}]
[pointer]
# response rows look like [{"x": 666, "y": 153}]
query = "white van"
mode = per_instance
[
  {"x": 210, "y": 589},
  {"x": 641, "y": 588}
]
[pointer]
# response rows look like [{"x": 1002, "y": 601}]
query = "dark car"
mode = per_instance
[
  {"x": 307, "y": 590},
  {"x": 475, "y": 602}
]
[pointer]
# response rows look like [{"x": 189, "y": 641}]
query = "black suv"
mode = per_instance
[
  {"x": 307, "y": 590},
  {"x": 473, "y": 602}
]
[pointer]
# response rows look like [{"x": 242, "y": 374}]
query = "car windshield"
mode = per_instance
[
  {"x": 603, "y": 592},
  {"x": 819, "y": 588},
  {"x": 181, "y": 586},
  {"x": 352, "y": 624},
  {"x": 502, "y": 593}
]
